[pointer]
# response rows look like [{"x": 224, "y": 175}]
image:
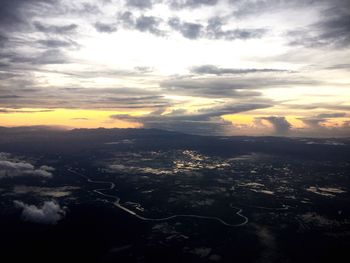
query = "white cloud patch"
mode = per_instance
[
  {"x": 49, "y": 213},
  {"x": 12, "y": 167},
  {"x": 17, "y": 169}
]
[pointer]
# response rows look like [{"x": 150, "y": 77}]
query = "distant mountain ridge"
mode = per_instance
[{"x": 54, "y": 141}]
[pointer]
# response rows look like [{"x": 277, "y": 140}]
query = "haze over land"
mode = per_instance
[{"x": 218, "y": 67}]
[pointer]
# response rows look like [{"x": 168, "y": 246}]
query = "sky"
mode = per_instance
[{"x": 212, "y": 67}]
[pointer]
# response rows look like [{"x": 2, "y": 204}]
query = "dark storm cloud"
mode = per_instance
[
  {"x": 105, "y": 27},
  {"x": 204, "y": 121},
  {"x": 140, "y": 4},
  {"x": 49, "y": 213},
  {"x": 280, "y": 124},
  {"x": 214, "y": 70},
  {"x": 54, "y": 29}
]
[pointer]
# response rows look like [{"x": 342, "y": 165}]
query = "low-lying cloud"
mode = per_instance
[
  {"x": 13, "y": 168},
  {"x": 49, "y": 212},
  {"x": 280, "y": 124}
]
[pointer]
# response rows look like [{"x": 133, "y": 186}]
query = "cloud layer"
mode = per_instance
[{"x": 180, "y": 65}]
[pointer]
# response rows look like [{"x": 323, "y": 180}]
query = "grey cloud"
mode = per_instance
[
  {"x": 10, "y": 168},
  {"x": 141, "y": 4},
  {"x": 49, "y": 213},
  {"x": 214, "y": 70},
  {"x": 127, "y": 19},
  {"x": 312, "y": 106},
  {"x": 105, "y": 28},
  {"x": 332, "y": 115},
  {"x": 204, "y": 121},
  {"x": 87, "y": 98},
  {"x": 3, "y": 66},
  {"x": 214, "y": 31},
  {"x": 53, "y": 56},
  {"x": 243, "y": 8},
  {"x": 339, "y": 66},
  {"x": 97, "y": 73},
  {"x": 53, "y": 29},
  {"x": 333, "y": 29},
  {"x": 207, "y": 88},
  {"x": 3, "y": 40},
  {"x": 336, "y": 31},
  {"x": 141, "y": 23},
  {"x": 191, "y": 3},
  {"x": 8, "y": 111},
  {"x": 13, "y": 13},
  {"x": 280, "y": 124},
  {"x": 240, "y": 86},
  {"x": 138, "y": 102},
  {"x": 57, "y": 43},
  {"x": 50, "y": 56},
  {"x": 16, "y": 15},
  {"x": 191, "y": 30},
  {"x": 188, "y": 30},
  {"x": 87, "y": 8},
  {"x": 8, "y": 97},
  {"x": 313, "y": 122},
  {"x": 318, "y": 120},
  {"x": 148, "y": 23}
]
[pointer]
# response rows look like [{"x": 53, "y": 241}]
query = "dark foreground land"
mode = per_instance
[{"x": 135, "y": 195}]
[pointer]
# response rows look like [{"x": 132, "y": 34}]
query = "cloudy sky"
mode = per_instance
[{"x": 221, "y": 67}]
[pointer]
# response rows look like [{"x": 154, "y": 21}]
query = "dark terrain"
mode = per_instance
[{"x": 137, "y": 195}]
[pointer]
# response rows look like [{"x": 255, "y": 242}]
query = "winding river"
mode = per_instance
[{"x": 117, "y": 203}]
